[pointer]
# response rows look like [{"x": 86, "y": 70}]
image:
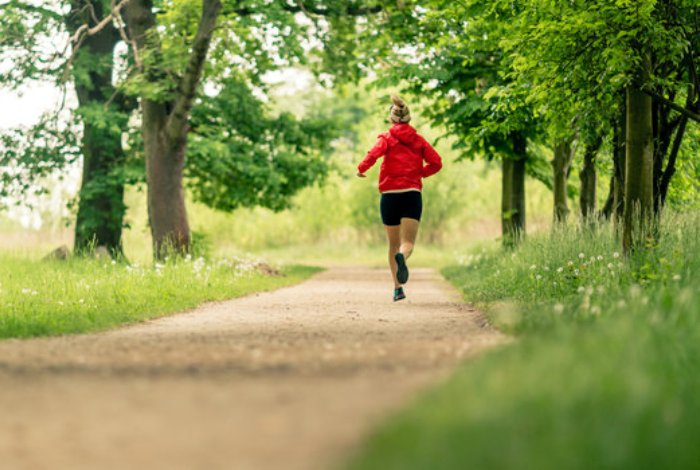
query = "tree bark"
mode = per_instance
[
  {"x": 101, "y": 208},
  {"x": 561, "y": 163},
  {"x": 619, "y": 165},
  {"x": 639, "y": 186},
  {"x": 165, "y": 129},
  {"x": 589, "y": 182},
  {"x": 518, "y": 192},
  {"x": 507, "y": 227}
]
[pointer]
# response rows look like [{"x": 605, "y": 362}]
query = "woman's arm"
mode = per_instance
[
  {"x": 375, "y": 152},
  {"x": 433, "y": 160}
]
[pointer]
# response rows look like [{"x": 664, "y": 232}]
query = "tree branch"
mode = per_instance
[
  {"x": 86, "y": 30},
  {"x": 193, "y": 73},
  {"x": 676, "y": 107}
]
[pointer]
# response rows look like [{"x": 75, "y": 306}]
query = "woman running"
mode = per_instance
[{"x": 400, "y": 183}]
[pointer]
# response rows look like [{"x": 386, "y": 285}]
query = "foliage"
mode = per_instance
[
  {"x": 453, "y": 56},
  {"x": 239, "y": 156},
  {"x": 39, "y": 298},
  {"x": 603, "y": 374}
]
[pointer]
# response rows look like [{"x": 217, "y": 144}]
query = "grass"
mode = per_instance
[
  {"x": 40, "y": 298},
  {"x": 605, "y": 372}
]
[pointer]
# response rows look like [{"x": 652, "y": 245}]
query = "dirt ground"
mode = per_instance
[{"x": 291, "y": 379}]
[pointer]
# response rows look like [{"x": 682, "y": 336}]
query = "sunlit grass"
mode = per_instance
[
  {"x": 605, "y": 372},
  {"x": 56, "y": 297}
]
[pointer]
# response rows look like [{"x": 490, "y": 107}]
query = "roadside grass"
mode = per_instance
[
  {"x": 40, "y": 298},
  {"x": 605, "y": 372}
]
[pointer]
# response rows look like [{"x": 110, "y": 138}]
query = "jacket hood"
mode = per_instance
[{"x": 404, "y": 133}]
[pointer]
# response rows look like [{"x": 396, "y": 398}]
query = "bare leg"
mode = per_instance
[
  {"x": 409, "y": 231},
  {"x": 393, "y": 234}
]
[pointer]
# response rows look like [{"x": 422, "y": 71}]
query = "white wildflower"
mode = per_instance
[
  {"x": 599, "y": 258},
  {"x": 616, "y": 255},
  {"x": 586, "y": 304},
  {"x": 558, "y": 308},
  {"x": 610, "y": 266},
  {"x": 581, "y": 256},
  {"x": 538, "y": 277},
  {"x": 533, "y": 267},
  {"x": 595, "y": 310},
  {"x": 635, "y": 290},
  {"x": 569, "y": 263},
  {"x": 560, "y": 269},
  {"x": 580, "y": 289},
  {"x": 676, "y": 277}
]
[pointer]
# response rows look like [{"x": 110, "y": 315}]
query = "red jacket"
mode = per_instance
[{"x": 404, "y": 151}]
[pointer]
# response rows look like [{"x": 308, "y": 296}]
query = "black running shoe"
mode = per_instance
[
  {"x": 402, "y": 273},
  {"x": 398, "y": 294}
]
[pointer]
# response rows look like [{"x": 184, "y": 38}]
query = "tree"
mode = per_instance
[
  {"x": 561, "y": 166},
  {"x": 639, "y": 162},
  {"x": 104, "y": 111},
  {"x": 165, "y": 120},
  {"x": 100, "y": 118},
  {"x": 591, "y": 52}
]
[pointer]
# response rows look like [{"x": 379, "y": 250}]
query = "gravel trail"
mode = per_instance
[{"x": 291, "y": 379}]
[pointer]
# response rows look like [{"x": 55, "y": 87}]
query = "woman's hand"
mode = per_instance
[{"x": 361, "y": 175}]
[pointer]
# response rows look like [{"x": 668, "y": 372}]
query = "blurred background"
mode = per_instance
[{"x": 336, "y": 220}]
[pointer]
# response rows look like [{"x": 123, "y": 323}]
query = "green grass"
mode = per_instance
[
  {"x": 39, "y": 298},
  {"x": 604, "y": 374}
]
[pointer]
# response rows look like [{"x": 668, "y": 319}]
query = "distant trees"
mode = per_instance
[
  {"x": 630, "y": 68},
  {"x": 579, "y": 76},
  {"x": 598, "y": 84}
]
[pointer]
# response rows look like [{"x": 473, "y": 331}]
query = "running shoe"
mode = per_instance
[
  {"x": 398, "y": 294},
  {"x": 402, "y": 273}
]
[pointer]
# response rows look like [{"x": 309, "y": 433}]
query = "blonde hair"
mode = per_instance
[{"x": 399, "y": 113}]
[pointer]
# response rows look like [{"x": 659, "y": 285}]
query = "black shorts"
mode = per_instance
[{"x": 395, "y": 206}]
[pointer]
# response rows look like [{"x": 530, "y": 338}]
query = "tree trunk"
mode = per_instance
[
  {"x": 589, "y": 183},
  {"x": 639, "y": 186},
  {"x": 614, "y": 205},
  {"x": 619, "y": 165},
  {"x": 507, "y": 227},
  {"x": 561, "y": 163},
  {"x": 101, "y": 208},
  {"x": 165, "y": 126},
  {"x": 518, "y": 185},
  {"x": 165, "y": 161},
  {"x": 665, "y": 179}
]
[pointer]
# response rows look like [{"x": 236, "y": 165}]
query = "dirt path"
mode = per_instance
[{"x": 285, "y": 380}]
